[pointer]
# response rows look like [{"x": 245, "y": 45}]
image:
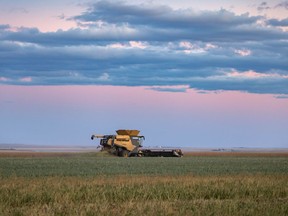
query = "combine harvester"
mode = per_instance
[{"x": 128, "y": 143}]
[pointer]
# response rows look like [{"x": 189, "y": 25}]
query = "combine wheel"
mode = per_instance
[{"x": 125, "y": 153}]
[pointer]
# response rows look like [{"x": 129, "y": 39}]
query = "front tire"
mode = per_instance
[{"x": 125, "y": 153}]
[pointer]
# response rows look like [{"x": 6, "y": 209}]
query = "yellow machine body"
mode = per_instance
[{"x": 128, "y": 143}]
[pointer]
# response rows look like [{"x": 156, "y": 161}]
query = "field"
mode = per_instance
[{"x": 96, "y": 184}]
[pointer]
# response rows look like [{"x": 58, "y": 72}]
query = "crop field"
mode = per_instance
[{"x": 97, "y": 184}]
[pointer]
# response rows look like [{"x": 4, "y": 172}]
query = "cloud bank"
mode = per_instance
[{"x": 124, "y": 44}]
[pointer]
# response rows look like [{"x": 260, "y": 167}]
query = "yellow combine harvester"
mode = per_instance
[{"x": 127, "y": 143}]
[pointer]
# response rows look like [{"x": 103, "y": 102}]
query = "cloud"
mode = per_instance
[
  {"x": 276, "y": 22},
  {"x": 118, "y": 43},
  {"x": 137, "y": 44},
  {"x": 18, "y": 10},
  {"x": 243, "y": 52},
  {"x": 4, "y": 27},
  {"x": 263, "y": 6},
  {"x": 283, "y": 4},
  {"x": 25, "y": 79},
  {"x": 258, "y": 85},
  {"x": 4, "y": 79},
  {"x": 104, "y": 77},
  {"x": 282, "y": 96},
  {"x": 160, "y": 16},
  {"x": 174, "y": 89}
]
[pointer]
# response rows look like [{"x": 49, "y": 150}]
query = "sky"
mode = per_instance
[{"x": 210, "y": 74}]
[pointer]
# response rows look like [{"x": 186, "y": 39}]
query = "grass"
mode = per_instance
[
  {"x": 93, "y": 184},
  {"x": 93, "y": 164}
]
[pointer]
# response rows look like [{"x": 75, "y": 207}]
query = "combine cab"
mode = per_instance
[{"x": 127, "y": 143}]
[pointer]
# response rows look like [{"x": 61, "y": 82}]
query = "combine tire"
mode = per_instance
[{"x": 125, "y": 153}]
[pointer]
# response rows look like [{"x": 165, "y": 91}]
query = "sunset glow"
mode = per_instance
[{"x": 195, "y": 74}]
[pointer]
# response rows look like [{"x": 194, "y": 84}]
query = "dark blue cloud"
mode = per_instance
[
  {"x": 276, "y": 22},
  {"x": 3, "y": 27},
  {"x": 147, "y": 45},
  {"x": 169, "y": 89},
  {"x": 282, "y": 96},
  {"x": 162, "y": 16}
]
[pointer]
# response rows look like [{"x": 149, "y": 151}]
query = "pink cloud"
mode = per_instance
[
  {"x": 25, "y": 79},
  {"x": 137, "y": 44},
  {"x": 253, "y": 75},
  {"x": 243, "y": 52},
  {"x": 116, "y": 45},
  {"x": 3, "y": 79}
]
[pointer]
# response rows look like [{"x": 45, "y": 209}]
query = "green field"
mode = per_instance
[{"x": 92, "y": 184}]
